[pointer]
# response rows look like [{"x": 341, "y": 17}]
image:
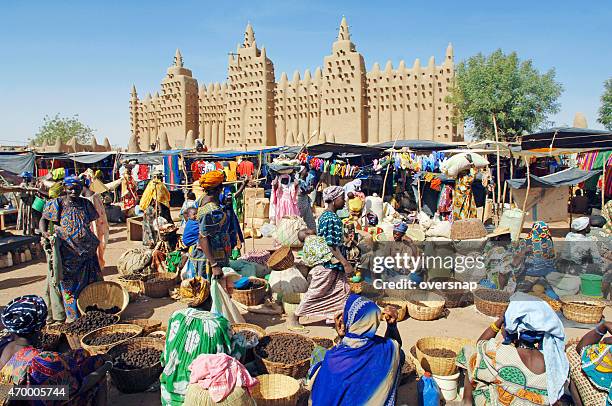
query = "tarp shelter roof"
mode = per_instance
[
  {"x": 567, "y": 177},
  {"x": 566, "y": 140},
  {"x": 354, "y": 149},
  {"x": 17, "y": 163},
  {"x": 416, "y": 145},
  {"x": 90, "y": 157},
  {"x": 231, "y": 154}
]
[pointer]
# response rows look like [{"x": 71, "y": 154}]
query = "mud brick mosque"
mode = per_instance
[{"x": 340, "y": 102}]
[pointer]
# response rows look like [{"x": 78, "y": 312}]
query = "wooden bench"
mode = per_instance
[{"x": 134, "y": 228}]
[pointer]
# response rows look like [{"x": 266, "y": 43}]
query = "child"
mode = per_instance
[{"x": 190, "y": 202}]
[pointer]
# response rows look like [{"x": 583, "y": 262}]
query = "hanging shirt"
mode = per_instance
[
  {"x": 245, "y": 169},
  {"x": 198, "y": 168}
]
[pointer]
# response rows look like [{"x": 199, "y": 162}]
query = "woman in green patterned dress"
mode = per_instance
[{"x": 191, "y": 332}]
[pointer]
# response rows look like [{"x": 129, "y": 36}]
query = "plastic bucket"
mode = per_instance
[
  {"x": 39, "y": 204},
  {"x": 590, "y": 285},
  {"x": 448, "y": 385}
]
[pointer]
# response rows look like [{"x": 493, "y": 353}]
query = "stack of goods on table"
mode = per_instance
[{"x": 256, "y": 211}]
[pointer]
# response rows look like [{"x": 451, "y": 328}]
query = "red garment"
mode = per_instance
[
  {"x": 143, "y": 172},
  {"x": 198, "y": 168},
  {"x": 219, "y": 165},
  {"x": 245, "y": 168}
]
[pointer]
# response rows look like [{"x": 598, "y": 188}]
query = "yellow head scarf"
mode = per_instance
[
  {"x": 211, "y": 179},
  {"x": 56, "y": 190},
  {"x": 155, "y": 190}
]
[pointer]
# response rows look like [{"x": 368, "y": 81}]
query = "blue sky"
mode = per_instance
[{"x": 81, "y": 57}]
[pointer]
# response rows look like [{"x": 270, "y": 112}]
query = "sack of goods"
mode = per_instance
[
  {"x": 288, "y": 229},
  {"x": 462, "y": 162}
]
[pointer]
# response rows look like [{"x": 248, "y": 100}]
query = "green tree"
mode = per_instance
[
  {"x": 64, "y": 128},
  {"x": 520, "y": 97},
  {"x": 605, "y": 111}
]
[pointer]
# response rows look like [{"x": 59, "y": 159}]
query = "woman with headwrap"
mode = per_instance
[
  {"x": 330, "y": 227},
  {"x": 155, "y": 202},
  {"x": 363, "y": 369},
  {"x": 464, "y": 205},
  {"x": 71, "y": 216},
  {"x": 528, "y": 368},
  {"x": 284, "y": 198},
  {"x": 193, "y": 331},
  {"x": 99, "y": 227},
  {"x": 23, "y": 364},
  {"x": 305, "y": 188},
  {"x": 328, "y": 287},
  {"x": 129, "y": 196},
  {"x": 580, "y": 250},
  {"x": 26, "y": 222},
  {"x": 538, "y": 251},
  {"x": 215, "y": 240}
]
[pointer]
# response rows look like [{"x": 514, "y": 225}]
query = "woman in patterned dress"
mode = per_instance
[
  {"x": 464, "y": 206},
  {"x": 331, "y": 228},
  {"x": 71, "y": 216},
  {"x": 191, "y": 332},
  {"x": 529, "y": 367},
  {"x": 23, "y": 364},
  {"x": 596, "y": 359}
]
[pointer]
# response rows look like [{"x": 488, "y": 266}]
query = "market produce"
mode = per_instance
[
  {"x": 44, "y": 340},
  {"x": 493, "y": 295},
  {"x": 249, "y": 335},
  {"x": 89, "y": 322},
  {"x": 109, "y": 338},
  {"x": 285, "y": 348},
  {"x": 134, "y": 277},
  {"x": 440, "y": 352},
  {"x": 95, "y": 308},
  {"x": 138, "y": 358},
  {"x": 324, "y": 342}
]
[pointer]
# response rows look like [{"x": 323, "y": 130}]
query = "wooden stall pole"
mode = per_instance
[
  {"x": 245, "y": 203},
  {"x": 603, "y": 187},
  {"x": 496, "y": 211},
  {"x": 526, "y": 193}
]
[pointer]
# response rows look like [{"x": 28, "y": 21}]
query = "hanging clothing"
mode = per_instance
[
  {"x": 245, "y": 169},
  {"x": 464, "y": 206},
  {"x": 284, "y": 198},
  {"x": 172, "y": 173}
]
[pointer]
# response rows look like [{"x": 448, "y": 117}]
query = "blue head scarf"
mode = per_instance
[
  {"x": 26, "y": 175},
  {"x": 72, "y": 180},
  {"x": 363, "y": 369},
  {"x": 25, "y": 315}
]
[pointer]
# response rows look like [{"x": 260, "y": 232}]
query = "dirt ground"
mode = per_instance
[{"x": 29, "y": 279}]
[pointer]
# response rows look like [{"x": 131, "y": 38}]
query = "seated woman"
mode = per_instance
[
  {"x": 363, "y": 368},
  {"x": 191, "y": 332},
  {"x": 328, "y": 287},
  {"x": 595, "y": 359},
  {"x": 528, "y": 368},
  {"x": 538, "y": 251},
  {"x": 220, "y": 380},
  {"x": 22, "y": 364}
]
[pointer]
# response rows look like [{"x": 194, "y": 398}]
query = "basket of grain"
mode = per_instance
[
  {"x": 284, "y": 353},
  {"x": 158, "y": 284},
  {"x": 249, "y": 329},
  {"x": 453, "y": 297},
  {"x": 133, "y": 283},
  {"x": 400, "y": 305},
  {"x": 425, "y": 306},
  {"x": 437, "y": 354},
  {"x": 281, "y": 259},
  {"x": 276, "y": 390},
  {"x": 106, "y": 296},
  {"x": 85, "y": 324},
  {"x": 253, "y": 296},
  {"x": 491, "y": 302},
  {"x": 582, "y": 309},
  {"x": 469, "y": 229},
  {"x": 148, "y": 325},
  {"x": 101, "y": 340},
  {"x": 326, "y": 343},
  {"x": 47, "y": 340},
  {"x": 136, "y": 363}
]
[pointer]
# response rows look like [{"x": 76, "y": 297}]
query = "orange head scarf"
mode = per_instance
[{"x": 211, "y": 180}]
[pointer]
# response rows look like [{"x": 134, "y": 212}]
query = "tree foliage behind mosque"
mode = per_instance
[
  {"x": 520, "y": 97},
  {"x": 605, "y": 110},
  {"x": 64, "y": 128}
]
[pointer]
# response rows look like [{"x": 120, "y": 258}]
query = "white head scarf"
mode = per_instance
[{"x": 580, "y": 224}]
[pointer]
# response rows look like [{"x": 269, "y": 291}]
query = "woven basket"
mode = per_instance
[
  {"x": 276, "y": 390},
  {"x": 134, "y": 288},
  {"x": 165, "y": 282},
  {"x": 105, "y": 295},
  {"x": 454, "y": 297},
  {"x": 136, "y": 380},
  {"x": 115, "y": 328},
  {"x": 582, "y": 309},
  {"x": 468, "y": 229},
  {"x": 400, "y": 305},
  {"x": 238, "y": 327},
  {"x": 489, "y": 308},
  {"x": 281, "y": 259},
  {"x": 430, "y": 306},
  {"x": 74, "y": 340},
  {"x": 56, "y": 337},
  {"x": 159, "y": 334},
  {"x": 442, "y": 366},
  {"x": 251, "y": 297},
  {"x": 589, "y": 394},
  {"x": 319, "y": 341},
  {"x": 554, "y": 304},
  {"x": 148, "y": 325},
  {"x": 296, "y": 370}
]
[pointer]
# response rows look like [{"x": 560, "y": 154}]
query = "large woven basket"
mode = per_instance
[
  {"x": 400, "y": 305},
  {"x": 468, "y": 229},
  {"x": 163, "y": 283},
  {"x": 134, "y": 287},
  {"x": 487, "y": 307},
  {"x": 133, "y": 329},
  {"x": 238, "y": 327},
  {"x": 74, "y": 340},
  {"x": 296, "y": 370},
  {"x": 281, "y": 259},
  {"x": 276, "y": 390},
  {"x": 104, "y": 294},
  {"x": 556, "y": 305},
  {"x": 589, "y": 394},
  {"x": 582, "y": 309},
  {"x": 453, "y": 297},
  {"x": 136, "y": 380},
  {"x": 442, "y": 366},
  {"x": 148, "y": 325},
  {"x": 251, "y": 297},
  {"x": 425, "y": 306}
]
